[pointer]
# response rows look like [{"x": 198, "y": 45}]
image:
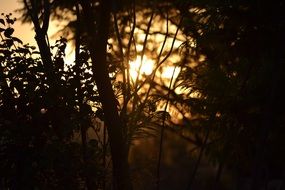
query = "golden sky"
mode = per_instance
[
  {"x": 22, "y": 31},
  {"x": 7, "y": 5}
]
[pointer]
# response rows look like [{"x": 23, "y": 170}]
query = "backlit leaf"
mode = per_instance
[
  {"x": 2, "y": 21},
  {"x": 17, "y": 40},
  {"x": 8, "y": 32}
]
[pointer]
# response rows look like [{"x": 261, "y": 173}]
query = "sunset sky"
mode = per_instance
[
  {"x": 22, "y": 31},
  {"x": 26, "y": 33}
]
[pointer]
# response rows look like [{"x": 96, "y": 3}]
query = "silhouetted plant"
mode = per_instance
[{"x": 39, "y": 123}]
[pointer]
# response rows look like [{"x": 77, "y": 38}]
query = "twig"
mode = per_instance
[{"x": 162, "y": 135}]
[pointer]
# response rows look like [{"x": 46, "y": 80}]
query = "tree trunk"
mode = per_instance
[
  {"x": 41, "y": 36},
  {"x": 97, "y": 45}
]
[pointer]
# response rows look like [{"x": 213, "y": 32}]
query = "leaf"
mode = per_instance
[
  {"x": 3, "y": 45},
  {"x": 63, "y": 40},
  {"x": 10, "y": 21},
  {"x": 9, "y": 42},
  {"x": 59, "y": 62},
  {"x": 6, "y": 52},
  {"x": 23, "y": 50},
  {"x": 2, "y": 21},
  {"x": 17, "y": 40},
  {"x": 8, "y": 32},
  {"x": 36, "y": 52}
]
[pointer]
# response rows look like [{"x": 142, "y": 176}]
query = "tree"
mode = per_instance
[
  {"x": 236, "y": 82},
  {"x": 226, "y": 101},
  {"x": 38, "y": 149},
  {"x": 87, "y": 14},
  {"x": 97, "y": 46}
]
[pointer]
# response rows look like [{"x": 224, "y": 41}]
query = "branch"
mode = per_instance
[
  {"x": 162, "y": 134},
  {"x": 46, "y": 16}
]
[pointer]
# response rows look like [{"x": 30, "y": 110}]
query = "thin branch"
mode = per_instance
[
  {"x": 130, "y": 42},
  {"x": 121, "y": 53},
  {"x": 201, "y": 152},
  {"x": 170, "y": 35},
  {"x": 158, "y": 58},
  {"x": 161, "y": 62},
  {"x": 162, "y": 135},
  {"x": 154, "y": 71},
  {"x": 172, "y": 45},
  {"x": 144, "y": 47}
]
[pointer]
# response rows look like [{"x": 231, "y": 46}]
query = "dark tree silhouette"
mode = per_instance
[{"x": 227, "y": 97}]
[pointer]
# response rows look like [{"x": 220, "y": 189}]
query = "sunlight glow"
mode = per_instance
[
  {"x": 167, "y": 72},
  {"x": 147, "y": 67},
  {"x": 143, "y": 67}
]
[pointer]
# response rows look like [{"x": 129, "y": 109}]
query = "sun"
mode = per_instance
[{"x": 140, "y": 67}]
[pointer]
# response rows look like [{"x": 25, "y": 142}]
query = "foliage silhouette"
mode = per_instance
[
  {"x": 228, "y": 91},
  {"x": 38, "y": 145},
  {"x": 236, "y": 81}
]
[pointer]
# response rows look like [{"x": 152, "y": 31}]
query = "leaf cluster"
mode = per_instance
[
  {"x": 233, "y": 77},
  {"x": 39, "y": 121}
]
